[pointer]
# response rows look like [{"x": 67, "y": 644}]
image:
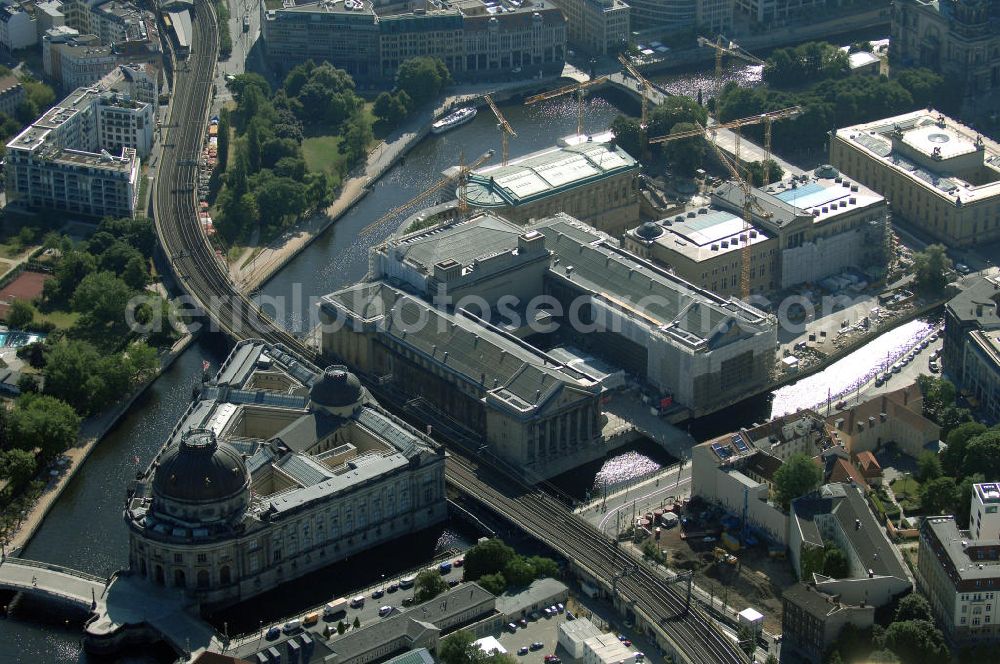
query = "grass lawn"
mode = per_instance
[
  {"x": 63, "y": 320},
  {"x": 322, "y": 153},
  {"x": 907, "y": 491}
]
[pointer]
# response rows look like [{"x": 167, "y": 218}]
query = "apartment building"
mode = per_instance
[
  {"x": 959, "y": 570},
  {"x": 82, "y": 155},
  {"x": 941, "y": 176},
  {"x": 11, "y": 94},
  {"x": 971, "y": 350},
  {"x": 599, "y": 27},
  {"x": 18, "y": 28},
  {"x": 135, "y": 81},
  {"x": 473, "y": 40}
]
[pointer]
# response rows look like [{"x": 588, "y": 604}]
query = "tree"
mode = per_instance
[
  {"x": 341, "y": 627},
  {"x": 20, "y": 315},
  {"x": 518, "y": 572},
  {"x": 928, "y": 466},
  {"x": 982, "y": 455},
  {"x": 755, "y": 170},
  {"x": 79, "y": 375},
  {"x": 686, "y": 154},
  {"x": 544, "y": 567},
  {"x": 390, "y": 109},
  {"x": 429, "y": 584},
  {"x": 930, "y": 268},
  {"x": 135, "y": 274},
  {"x": 938, "y": 393},
  {"x": 674, "y": 110},
  {"x": 27, "y": 383},
  {"x": 224, "y": 129},
  {"x": 141, "y": 361},
  {"x": 487, "y": 557},
  {"x": 72, "y": 268},
  {"x": 43, "y": 422},
  {"x": 280, "y": 201},
  {"x": 811, "y": 561},
  {"x": 357, "y": 137},
  {"x": 797, "y": 476},
  {"x": 422, "y": 78},
  {"x": 357, "y": 622},
  {"x": 628, "y": 133},
  {"x": 18, "y": 466},
  {"x": 951, "y": 417},
  {"x": 835, "y": 564},
  {"x": 494, "y": 583},
  {"x": 138, "y": 233},
  {"x": 958, "y": 438},
  {"x": 101, "y": 299},
  {"x": 458, "y": 648},
  {"x": 916, "y": 642},
  {"x": 913, "y": 607},
  {"x": 939, "y": 496}
]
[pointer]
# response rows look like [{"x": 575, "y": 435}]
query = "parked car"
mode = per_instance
[
  {"x": 459, "y": 562},
  {"x": 378, "y": 593},
  {"x": 393, "y": 587},
  {"x": 292, "y": 626},
  {"x": 537, "y": 645},
  {"x": 533, "y": 615},
  {"x": 383, "y": 611},
  {"x": 522, "y": 622},
  {"x": 523, "y": 650},
  {"x": 560, "y": 607},
  {"x": 511, "y": 627},
  {"x": 407, "y": 601},
  {"x": 273, "y": 633},
  {"x": 962, "y": 268}
]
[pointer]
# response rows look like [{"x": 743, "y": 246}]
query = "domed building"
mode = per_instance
[{"x": 277, "y": 469}]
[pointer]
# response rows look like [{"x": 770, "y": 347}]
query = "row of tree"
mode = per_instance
[
  {"x": 418, "y": 81},
  {"x": 497, "y": 567},
  {"x": 833, "y": 103},
  {"x": 267, "y": 185},
  {"x": 910, "y": 638}
]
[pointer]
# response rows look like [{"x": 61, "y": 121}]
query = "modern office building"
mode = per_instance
[
  {"x": 82, "y": 155},
  {"x": 939, "y": 175},
  {"x": 599, "y": 27},
  {"x": 277, "y": 469},
  {"x": 593, "y": 181},
  {"x": 668, "y": 15},
  {"x": 802, "y": 230},
  {"x": 475, "y": 41},
  {"x": 715, "y": 16},
  {"x": 959, "y": 572},
  {"x": 957, "y": 38},
  {"x": 778, "y": 11},
  {"x": 971, "y": 350},
  {"x": 486, "y": 355}
]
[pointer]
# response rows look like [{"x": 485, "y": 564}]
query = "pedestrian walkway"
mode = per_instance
[{"x": 52, "y": 581}]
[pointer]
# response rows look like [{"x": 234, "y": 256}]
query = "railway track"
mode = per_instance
[{"x": 203, "y": 276}]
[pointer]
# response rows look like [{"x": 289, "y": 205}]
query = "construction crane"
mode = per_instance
[
  {"x": 722, "y": 47},
  {"x": 643, "y": 83},
  {"x": 579, "y": 88},
  {"x": 504, "y": 127},
  {"x": 749, "y": 200},
  {"x": 736, "y": 125},
  {"x": 461, "y": 175}
]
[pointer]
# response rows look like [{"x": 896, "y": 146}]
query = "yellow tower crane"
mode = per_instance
[
  {"x": 579, "y": 88},
  {"x": 459, "y": 175},
  {"x": 723, "y": 47},
  {"x": 733, "y": 165},
  {"x": 643, "y": 83},
  {"x": 504, "y": 127},
  {"x": 736, "y": 125}
]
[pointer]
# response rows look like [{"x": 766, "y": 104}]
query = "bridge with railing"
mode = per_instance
[{"x": 52, "y": 581}]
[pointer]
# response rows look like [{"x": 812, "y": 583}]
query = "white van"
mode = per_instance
[
  {"x": 407, "y": 581},
  {"x": 357, "y": 602},
  {"x": 292, "y": 626}
]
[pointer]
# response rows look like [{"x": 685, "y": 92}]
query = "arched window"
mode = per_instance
[
  {"x": 159, "y": 575},
  {"x": 180, "y": 581},
  {"x": 203, "y": 578},
  {"x": 142, "y": 567},
  {"x": 224, "y": 577}
]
